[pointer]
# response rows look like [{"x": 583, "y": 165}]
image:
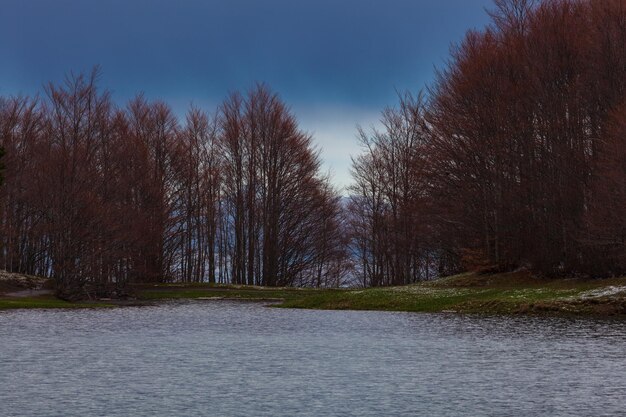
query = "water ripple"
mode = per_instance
[{"x": 242, "y": 359}]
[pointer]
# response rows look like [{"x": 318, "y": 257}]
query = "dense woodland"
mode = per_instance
[
  {"x": 98, "y": 196},
  {"x": 514, "y": 157},
  {"x": 517, "y": 158}
]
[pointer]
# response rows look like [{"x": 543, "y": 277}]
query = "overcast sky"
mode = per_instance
[{"x": 336, "y": 63}]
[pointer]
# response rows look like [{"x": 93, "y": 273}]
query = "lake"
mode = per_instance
[{"x": 223, "y": 358}]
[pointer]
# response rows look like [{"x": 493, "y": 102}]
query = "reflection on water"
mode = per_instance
[{"x": 242, "y": 359}]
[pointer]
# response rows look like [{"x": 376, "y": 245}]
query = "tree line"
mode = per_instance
[
  {"x": 514, "y": 157},
  {"x": 98, "y": 196}
]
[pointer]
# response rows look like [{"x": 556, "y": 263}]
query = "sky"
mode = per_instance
[{"x": 336, "y": 63}]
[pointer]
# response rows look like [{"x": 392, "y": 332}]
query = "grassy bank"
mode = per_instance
[
  {"x": 229, "y": 292},
  {"x": 48, "y": 301},
  {"x": 486, "y": 294},
  {"x": 509, "y": 293}
]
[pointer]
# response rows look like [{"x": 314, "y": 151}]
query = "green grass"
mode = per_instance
[
  {"x": 507, "y": 293},
  {"x": 472, "y": 293},
  {"x": 194, "y": 291},
  {"x": 418, "y": 298},
  {"x": 512, "y": 293},
  {"x": 44, "y": 302}
]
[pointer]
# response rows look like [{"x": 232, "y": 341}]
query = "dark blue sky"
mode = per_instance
[{"x": 337, "y": 63}]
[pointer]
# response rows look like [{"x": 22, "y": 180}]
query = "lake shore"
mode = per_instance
[{"x": 515, "y": 293}]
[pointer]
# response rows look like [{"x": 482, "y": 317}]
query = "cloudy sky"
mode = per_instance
[{"x": 337, "y": 63}]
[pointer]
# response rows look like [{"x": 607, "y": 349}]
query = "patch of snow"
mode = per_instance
[
  {"x": 603, "y": 292},
  {"x": 434, "y": 291},
  {"x": 21, "y": 280}
]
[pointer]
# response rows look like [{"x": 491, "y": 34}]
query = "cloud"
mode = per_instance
[{"x": 334, "y": 130}]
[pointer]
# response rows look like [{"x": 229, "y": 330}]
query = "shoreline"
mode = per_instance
[{"x": 515, "y": 293}]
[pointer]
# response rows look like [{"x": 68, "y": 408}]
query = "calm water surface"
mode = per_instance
[{"x": 240, "y": 359}]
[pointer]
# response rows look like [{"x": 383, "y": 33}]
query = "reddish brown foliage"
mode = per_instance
[
  {"x": 524, "y": 149},
  {"x": 97, "y": 196}
]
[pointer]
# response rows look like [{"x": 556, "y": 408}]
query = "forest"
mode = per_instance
[{"x": 514, "y": 157}]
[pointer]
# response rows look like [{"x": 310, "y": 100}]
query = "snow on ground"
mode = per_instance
[
  {"x": 434, "y": 291},
  {"x": 603, "y": 292},
  {"x": 21, "y": 280}
]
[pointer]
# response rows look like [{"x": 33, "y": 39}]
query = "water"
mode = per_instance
[{"x": 240, "y": 359}]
